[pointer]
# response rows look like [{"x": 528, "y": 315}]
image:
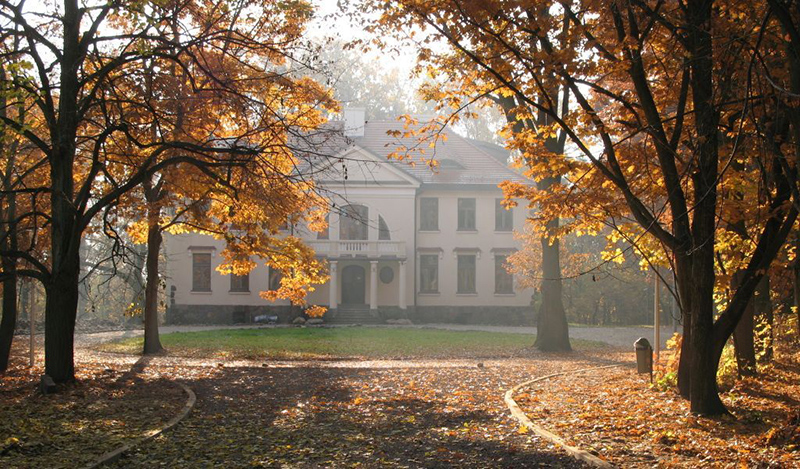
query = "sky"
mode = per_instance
[{"x": 326, "y": 24}]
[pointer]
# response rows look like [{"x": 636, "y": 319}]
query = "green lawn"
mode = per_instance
[{"x": 367, "y": 342}]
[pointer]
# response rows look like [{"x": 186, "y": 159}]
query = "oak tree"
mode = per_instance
[
  {"x": 82, "y": 56},
  {"x": 661, "y": 114}
]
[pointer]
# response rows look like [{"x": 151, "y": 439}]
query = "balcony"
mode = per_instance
[{"x": 364, "y": 249}]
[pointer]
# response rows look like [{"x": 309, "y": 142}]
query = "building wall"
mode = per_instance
[
  {"x": 179, "y": 249},
  {"x": 484, "y": 239},
  {"x": 399, "y": 206},
  {"x": 396, "y": 206}
]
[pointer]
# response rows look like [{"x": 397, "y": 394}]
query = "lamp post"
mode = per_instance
[{"x": 657, "y": 313}]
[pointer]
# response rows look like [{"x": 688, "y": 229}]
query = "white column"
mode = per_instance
[
  {"x": 402, "y": 284},
  {"x": 373, "y": 285},
  {"x": 333, "y": 284}
]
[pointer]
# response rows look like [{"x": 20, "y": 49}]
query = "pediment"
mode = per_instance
[{"x": 356, "y": 166}]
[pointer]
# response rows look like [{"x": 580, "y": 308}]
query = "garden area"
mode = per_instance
[{"x": 384, "y": 397}]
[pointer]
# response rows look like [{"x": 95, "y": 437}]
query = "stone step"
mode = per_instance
[{"x": 354, "y": 315}]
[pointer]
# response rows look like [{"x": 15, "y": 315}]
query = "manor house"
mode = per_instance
[{"x": 406, "y": 242}]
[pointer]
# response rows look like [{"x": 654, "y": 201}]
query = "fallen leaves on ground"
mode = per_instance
[
  {"x": 423, "y": 413},
  {"x": 105, "y": 408},
  {"x": 616, "y": 414}
]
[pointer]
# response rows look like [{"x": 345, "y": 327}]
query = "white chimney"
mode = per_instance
[{"x": 354, "y": 122}]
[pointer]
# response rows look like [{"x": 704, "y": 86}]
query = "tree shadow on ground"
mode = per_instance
[
  {"x": 325, "y": 416},
  {"x": 97, "y": 413}
]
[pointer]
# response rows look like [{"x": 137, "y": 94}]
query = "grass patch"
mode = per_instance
[{"x": 340, "y": 342}]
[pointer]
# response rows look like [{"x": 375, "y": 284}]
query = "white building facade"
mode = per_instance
[{"x": 403, "y": 242}]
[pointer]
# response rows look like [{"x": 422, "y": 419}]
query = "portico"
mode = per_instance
[{"x": 362, "y": 282}]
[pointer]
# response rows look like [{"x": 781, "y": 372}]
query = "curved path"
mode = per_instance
[
  {"x": 377, "y": 413},
  {"x": 381, "y": 413},
  {"x": 116, "y": 454},
  {"x": 523, "y": 419}
]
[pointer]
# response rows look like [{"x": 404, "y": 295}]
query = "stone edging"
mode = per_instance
[
  {"x": 523, "y": 419},
  {"x": 114, "y": 455}
]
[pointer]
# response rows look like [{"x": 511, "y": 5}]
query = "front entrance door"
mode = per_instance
[{"x": 353, "y": 285}]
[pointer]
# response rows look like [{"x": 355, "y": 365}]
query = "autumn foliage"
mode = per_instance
[
  {"x": 137, "y": 109},
  {"x": 678, "y": 125}
]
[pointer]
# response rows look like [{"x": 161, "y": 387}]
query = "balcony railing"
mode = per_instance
[{"x": 346, "y": 248}]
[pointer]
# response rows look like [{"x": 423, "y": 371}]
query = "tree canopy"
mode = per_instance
[
  {"x": 674, "y": 135},
  {"x": 125, "y": 91}
]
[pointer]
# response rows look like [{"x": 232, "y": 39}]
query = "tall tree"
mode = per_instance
[
  {"x": 8, "y": 228},
  {"x": 82, "y": 57},
  {"x": 552, "y": 329},
  {"x": 654, "y": 85},
  {"x": 20, "y": 168}
]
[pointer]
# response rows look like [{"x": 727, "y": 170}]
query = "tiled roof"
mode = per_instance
[
  {"x": 479, "y": 163},
  {"x": 461, "y": 161}
]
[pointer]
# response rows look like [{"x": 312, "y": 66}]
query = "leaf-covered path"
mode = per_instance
[{"x": 436, "y": 413}]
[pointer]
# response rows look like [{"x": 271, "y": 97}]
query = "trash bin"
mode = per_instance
[{"x": 644, "y": 356}]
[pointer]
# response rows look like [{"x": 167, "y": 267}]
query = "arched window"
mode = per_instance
[
  {"x": 383, "y": 230},
  {"x": 353, "y": 223}
]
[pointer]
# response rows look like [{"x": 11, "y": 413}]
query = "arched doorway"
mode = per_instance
[{"x": 353, "y": 285}]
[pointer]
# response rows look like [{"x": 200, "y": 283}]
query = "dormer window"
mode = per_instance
[{"x": 447, "y": 163}]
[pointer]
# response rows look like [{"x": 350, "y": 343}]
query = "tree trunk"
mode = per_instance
[
  {"x": 60, "y": 308},
  {"x": 9, "y": 321},
  {"x": 61, "y": 286},
  {"x": 705, "y": 351},
  {"x": 552, "y": 331},
  {"x": 705, "y": 362},
  {"x": 152, "y": 343},
  {"x": 744, "y": 335},
  {"x": 683, "y": 280},
  {"x": 704, "y": 396}
]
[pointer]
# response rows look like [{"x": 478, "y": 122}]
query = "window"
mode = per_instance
[
  {"x": 466, "y": 273},
  {"x": 201, "y": 271},
  {"x": 429, "y": 273},
  {"x": 466, "y": 214},
  {"x": 450, "y": 164},
  {"x": 503, "y": 279},
  {"x": 386, "y": 275},
  {"x": 275, "y": 277},
  {"x": 383, "y": 230},
  {"x": 429, "y": 214},
  {"x": 503, "y": 219},
  {"x": 326, "y": 233},
  {"x": 354, "y": 222},
  {"x": 240, "y": 283}
]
